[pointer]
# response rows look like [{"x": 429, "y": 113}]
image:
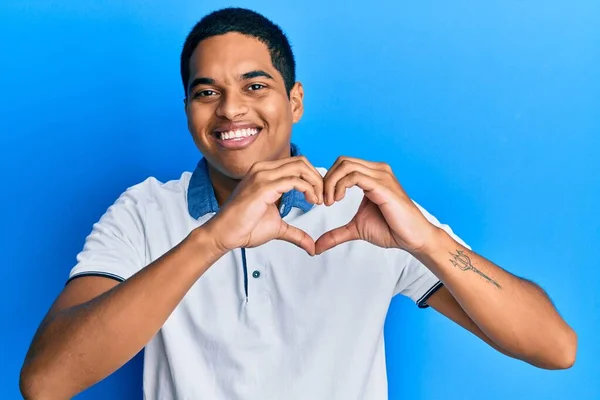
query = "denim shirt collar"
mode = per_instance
[{"x": 201, "y": 196}]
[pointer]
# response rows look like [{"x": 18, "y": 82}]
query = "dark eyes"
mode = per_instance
[
  {"x": 210, "y": 93},
  {"x": 205, "y": 93},
  {"x": 256, "y": 86}
]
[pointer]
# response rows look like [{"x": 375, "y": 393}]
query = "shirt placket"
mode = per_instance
[{"x": 255, "y": 274}]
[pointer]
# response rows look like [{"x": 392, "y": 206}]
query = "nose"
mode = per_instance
[{"x": 231, "y": 106}]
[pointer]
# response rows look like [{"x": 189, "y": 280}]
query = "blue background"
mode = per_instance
[{"x": 487, "y": 111}]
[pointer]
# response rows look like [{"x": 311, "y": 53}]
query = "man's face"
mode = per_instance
[{"x": 237, "y": 107}]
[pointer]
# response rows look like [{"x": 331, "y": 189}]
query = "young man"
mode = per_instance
[{"x": 219, "y": 277}]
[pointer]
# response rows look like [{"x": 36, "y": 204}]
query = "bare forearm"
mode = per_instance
[
  {"x": 514, "y": 313},
  {"x": 79, "y": 346}
]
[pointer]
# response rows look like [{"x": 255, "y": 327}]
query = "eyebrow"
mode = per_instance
[
  {"x": 255, "y": 74},
  {"x": 201, "y": 81},
  {"x": 243, "y": 77}
]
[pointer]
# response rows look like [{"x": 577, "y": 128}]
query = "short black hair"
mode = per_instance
[{"x": 249, "y": 23}]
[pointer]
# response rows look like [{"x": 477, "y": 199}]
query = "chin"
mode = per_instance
[
  {"x": 236, "y": 164},
  {"x": 232, "y": 169}
]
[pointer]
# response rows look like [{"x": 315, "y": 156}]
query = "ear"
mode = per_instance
[
  {"x": 296, "y": 101},
  {"x": 185, "y": 104}
]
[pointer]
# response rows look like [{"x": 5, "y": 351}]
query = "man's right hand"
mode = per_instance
[{"x": 250, "y": 216}]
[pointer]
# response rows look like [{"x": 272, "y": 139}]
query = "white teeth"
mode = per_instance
[{"x": 238, "y": 133}]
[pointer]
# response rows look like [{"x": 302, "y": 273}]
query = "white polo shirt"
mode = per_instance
[{"x": 263, "y": 323}]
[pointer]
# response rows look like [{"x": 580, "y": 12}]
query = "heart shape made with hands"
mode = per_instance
[{"x": 386, "y": 217}]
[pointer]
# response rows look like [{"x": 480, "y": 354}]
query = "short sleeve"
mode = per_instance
[
  {"x": 415, "y": 280},
  {"x": 116, "y": 246}
]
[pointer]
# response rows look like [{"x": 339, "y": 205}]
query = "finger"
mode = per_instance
[
  {"x": 312, "y": 175},
  {"x": 336, "y": 237},
  {"x": 312, "y": 167},
  {"x": 273, "y": 165},
  {"x": 377, "y": 166},
  {"x": 275, "y": 189},
  {"x": 342, "y": 169},
  {"x": 371, "y": 164},
  {"x": 354, "y": 178},
  {"x": 341, "y": 159},
  {"x": 318, "y": 180},
  {"x": 262, "y": 165},
  {"x": 296, "y": 236},
  {"x": 306, "y": 171},
  {"x": 267, "y": 165},
  {"x": 296, "y": 168}
]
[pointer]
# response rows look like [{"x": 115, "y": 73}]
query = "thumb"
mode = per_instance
[
  {"x": 336, "y": 236},
  {"x": 296, "y": 236}
]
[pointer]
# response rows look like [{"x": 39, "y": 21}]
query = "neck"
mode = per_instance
[{"x": 222, "y": 185}]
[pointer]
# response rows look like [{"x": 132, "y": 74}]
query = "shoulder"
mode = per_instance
[
  {"x": 152, "y": 189},
  {"x": 153, "y": 193}
]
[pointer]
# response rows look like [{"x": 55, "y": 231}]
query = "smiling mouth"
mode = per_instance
[{"x": 237, "y": 134}]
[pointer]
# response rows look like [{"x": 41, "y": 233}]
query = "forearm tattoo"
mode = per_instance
[{"x": 463, "y": 262}]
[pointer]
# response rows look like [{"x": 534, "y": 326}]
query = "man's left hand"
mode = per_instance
[{"x": 386, "y": 217}]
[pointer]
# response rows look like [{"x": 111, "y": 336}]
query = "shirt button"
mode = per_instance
[{"x": 256, "y": 274}]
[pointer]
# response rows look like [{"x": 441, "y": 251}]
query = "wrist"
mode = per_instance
[
  {"x": 204, "y": 240},
  {"x": 435, "y": 239}
]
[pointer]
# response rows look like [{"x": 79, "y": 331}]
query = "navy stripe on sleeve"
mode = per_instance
[
  {"x": 96, "y": 273},
  {"x": 422, "y": 302}
]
